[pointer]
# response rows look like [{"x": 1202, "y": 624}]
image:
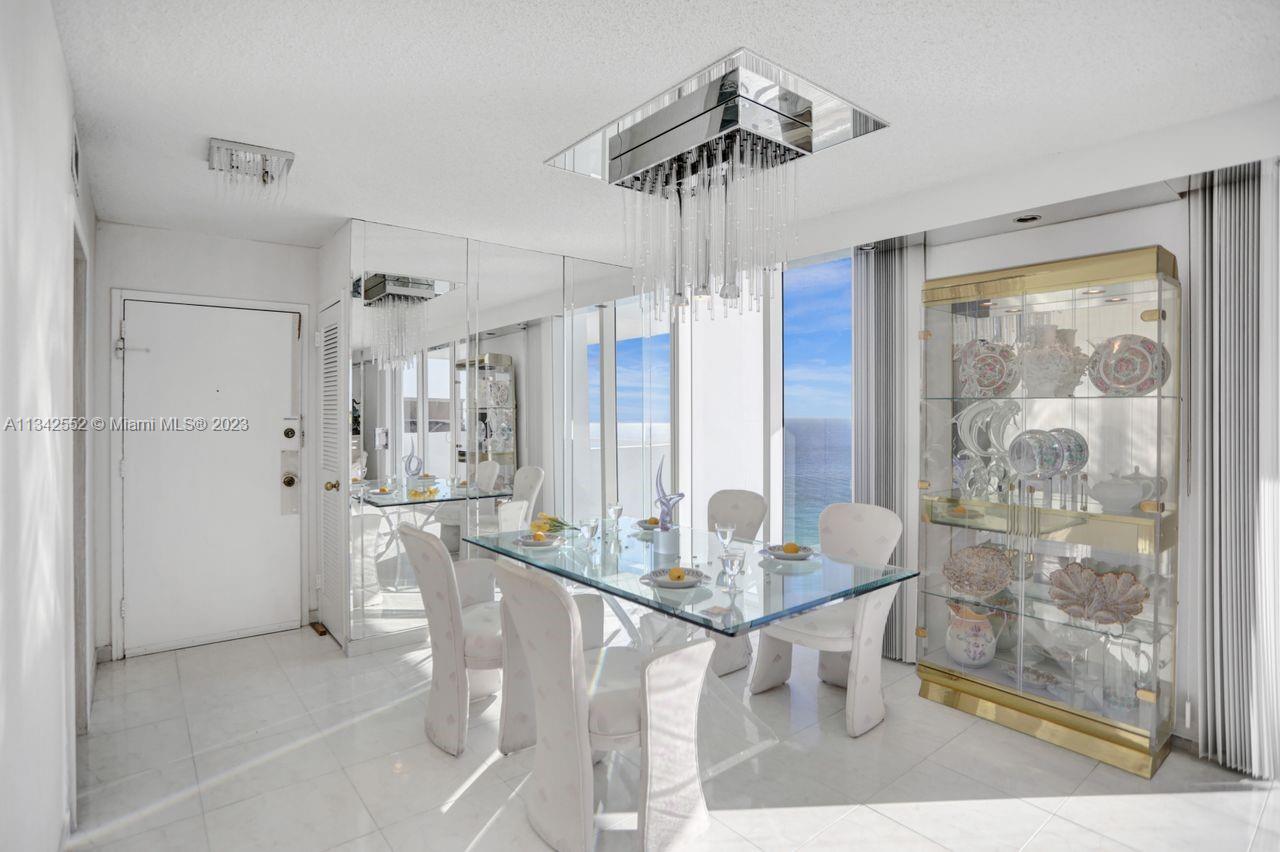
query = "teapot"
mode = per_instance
[
  {"x": 1120, "y": 494},
  {"x": 1153, "y": 486}
]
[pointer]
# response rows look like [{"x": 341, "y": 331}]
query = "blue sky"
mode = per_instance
[
  {"x": 816, "y": 352},
  {"x": 817, "y": 340},
  {"x": 630, "y": 375}
]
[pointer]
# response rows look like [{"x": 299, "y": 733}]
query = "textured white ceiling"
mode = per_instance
[{"x": 439, "y": 115}]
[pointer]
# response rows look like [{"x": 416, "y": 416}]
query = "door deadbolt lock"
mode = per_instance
[
  {"x": 289, "y": 480},
  {"x": 289, "y": 432},
  {"x": 332, "y": 486}
]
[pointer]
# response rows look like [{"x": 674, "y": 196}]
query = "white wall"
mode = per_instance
[
  {"x": 38, "y": 214},
  {"x": 131, "y": 257},
  {"x": 1163, "y": 224}
]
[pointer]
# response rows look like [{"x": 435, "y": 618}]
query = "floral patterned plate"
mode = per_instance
[
  {"x": 1129, "y": 365},
  {"x": 988, "y": 369}
]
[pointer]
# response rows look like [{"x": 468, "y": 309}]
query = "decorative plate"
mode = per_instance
[
  {"x": 1129, "y": 365},
  {"x": 988, "y": 369},
  {"x": 1037, "y": 454},
  {"x": 1074, "y": 588},
  {"x": 979, "y": 571},
  {"x": 1120, "y": 597},
  {"x": 1075, "y": 449}
]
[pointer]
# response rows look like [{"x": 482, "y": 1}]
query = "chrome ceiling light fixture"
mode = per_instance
[
  {"x": 710, "y": 163},
  {"x": 250, "y": 170},
  {"x": 396, "y": 311}
]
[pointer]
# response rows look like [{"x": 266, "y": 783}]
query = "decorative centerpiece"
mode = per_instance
[
  {"x": 1050, "y": 361},
  {"x": 1115, "y": 597},
  {"x": 666, "y": 539}
]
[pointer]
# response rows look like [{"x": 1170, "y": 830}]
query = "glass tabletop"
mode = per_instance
[
  {"x": 444, "y": 493},
  {"x": 766, "y": 590}
]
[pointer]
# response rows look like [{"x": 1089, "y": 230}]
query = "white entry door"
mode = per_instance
[{"x": 211, "y": 538}]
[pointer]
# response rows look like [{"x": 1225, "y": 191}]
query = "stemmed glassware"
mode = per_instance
[
  {"x": 588, "y": 529},
  {"x": 731, "y": 562},
  {"x": 724, "y": 532},
  {"x": 614, "y": 513}
]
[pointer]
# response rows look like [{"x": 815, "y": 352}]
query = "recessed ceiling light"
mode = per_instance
[
  {"x": 986, "y": 304},
  {"x": 1013, "y": 310},
  {"x": 867, "y": 247},
  {"x": 1027, "y": 218},
  {"x": 1116, "y": 299},
  {"x": 1094, "y": 291}
]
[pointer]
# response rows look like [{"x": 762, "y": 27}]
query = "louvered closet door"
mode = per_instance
[{"x": 335, "y": 469}]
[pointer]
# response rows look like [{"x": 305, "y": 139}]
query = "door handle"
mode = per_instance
[
  {"x": 288, "y": 480},
  {"x": 332, "y": 486}
]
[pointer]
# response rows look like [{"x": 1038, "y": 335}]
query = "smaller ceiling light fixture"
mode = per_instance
[
  {"x": 1093, "y": 291},
  {"x": 251, "y": 170},
  {"x": 1027, "y": 218},
  {"x": 1116, "y": 299}
]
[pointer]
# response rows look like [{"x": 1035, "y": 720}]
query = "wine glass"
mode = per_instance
[
  {"x": 731, "y": 562},
  {"x": 614, "y": 511},
  {"x": 588, "y": 529},
  {"x": 724, "y": 532}
]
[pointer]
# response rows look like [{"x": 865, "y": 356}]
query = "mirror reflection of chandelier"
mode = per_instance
[
  {"x": 710, "y": 161},
  {"x": 395, "y": 328}
]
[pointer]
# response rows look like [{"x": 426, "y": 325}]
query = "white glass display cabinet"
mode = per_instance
[{"x": 1048, "y": 500}]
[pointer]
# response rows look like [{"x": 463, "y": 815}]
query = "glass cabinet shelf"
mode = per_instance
[{"x": 1049, "y": 476}]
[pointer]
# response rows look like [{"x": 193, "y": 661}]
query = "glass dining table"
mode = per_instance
[{"x": 622, "y": 565}]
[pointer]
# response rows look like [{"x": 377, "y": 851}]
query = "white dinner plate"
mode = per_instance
[
  {"x": 776, "y": 552},
  {"x": 530, "y": 542},
  {"x": 692, "y": 577}
]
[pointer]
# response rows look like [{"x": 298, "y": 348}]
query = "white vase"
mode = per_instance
[
  {"x": 666, "y": 541},
  {"x": 971, "y": 637}
]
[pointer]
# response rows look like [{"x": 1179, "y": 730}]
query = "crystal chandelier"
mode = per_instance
[
  {"x": 710, "y": 164},
  {"x": 395, "y": 325}
]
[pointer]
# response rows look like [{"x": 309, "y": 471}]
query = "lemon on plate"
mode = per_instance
[
  {"x": 676, "y": 575},
  {"x": 791, "y": 547}
]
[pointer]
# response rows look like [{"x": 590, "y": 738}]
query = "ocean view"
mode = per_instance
[{"x": 817, "y": 471}]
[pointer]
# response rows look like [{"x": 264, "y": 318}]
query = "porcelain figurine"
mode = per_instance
[{"x": 971, "y": 637}]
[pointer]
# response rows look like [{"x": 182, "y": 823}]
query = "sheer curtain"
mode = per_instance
[{"x": 1235, "y": 464}]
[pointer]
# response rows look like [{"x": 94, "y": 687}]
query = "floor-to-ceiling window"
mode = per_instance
[
  {"x": 642, "y": 371},
  {"x": 817, "y": 394}
]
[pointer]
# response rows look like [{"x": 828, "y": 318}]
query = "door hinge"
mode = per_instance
[
  {"x": 122, "y": 609},
  {"x": 317, "y": 339}
]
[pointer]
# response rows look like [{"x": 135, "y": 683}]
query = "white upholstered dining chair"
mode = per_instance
[
  {"x": 516, "y": 513},
  {"x": 745, "y": 511},
  {"x": 570, "y": 702},
  {"x": 848, "y": 635},
  {"x": 465, "y": 625}
]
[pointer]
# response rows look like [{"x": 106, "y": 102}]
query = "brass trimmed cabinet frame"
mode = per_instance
[{"x": 1049, "y": 478}]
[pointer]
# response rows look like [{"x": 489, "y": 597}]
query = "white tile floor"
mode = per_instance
[{"x": 281, "y": 742}]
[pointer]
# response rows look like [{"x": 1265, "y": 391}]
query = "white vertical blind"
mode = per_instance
[{"x": 1234, "y": 461}]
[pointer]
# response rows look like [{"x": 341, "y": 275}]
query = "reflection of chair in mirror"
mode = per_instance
[
  {"x": 516, "y": 513},
  {"x": 465, "y": 626},
  {"x": 450, "y": 515},
  {"x": 375, "y": 553},
  {"x": 603, "y": 699},
  {"x": 848, "y": 635}
]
